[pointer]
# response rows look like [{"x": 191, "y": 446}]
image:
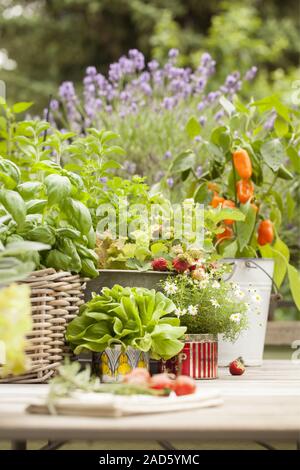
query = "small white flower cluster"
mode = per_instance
[
  {"x": 191, "y": 310},
  {"x": 170, "y": 288}
]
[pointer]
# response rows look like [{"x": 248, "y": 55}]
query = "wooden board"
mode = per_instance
[
  {"x": 282, "y": 333},
  {"x": 264, "y": 403}
]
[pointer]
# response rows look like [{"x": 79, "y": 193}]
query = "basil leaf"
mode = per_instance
[
  {"x": 78, "y": 215},
  {"x": 58, "y": 188},
  {"x": 14, "y": 204}
]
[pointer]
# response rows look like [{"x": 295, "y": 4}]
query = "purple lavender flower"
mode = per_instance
[
  {"x": 213, "y": 96},
  {"x": 269, "y": 124},
  {"x": 201, "y": 106},
  {"x": 146, "y": 88},
  {"x": 168, "y": 102},
  {"x": 251, "y": 73},
  {"x": 54, "y": 105},
  {"x": 67, "y": 91},
  {"x": 159, "y": 176},
  {"x": 219, "y": 115},
  {"x": 199, "y": 171},
  {"x": 173, "y": 53},
  {"x": 205, "y": 59},
  {"x": 170, "y": 182},
  {"x": 126, "y": 65},
  {"x": 202, "y": 120},
  {"x": 130, "y": 167},
  {"x": 92, "y": 71},
  {"x": 153, "y": 65},
  {"x": 137, "y": 58},
  {"x": 167, "y": 155},
  {"x": 103, "y": 179},
  {"x": 198, "y": 138},
  {"x": 115, "y": 72}
]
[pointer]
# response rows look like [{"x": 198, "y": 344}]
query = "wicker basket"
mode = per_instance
[{"x": 55, "y": 298}]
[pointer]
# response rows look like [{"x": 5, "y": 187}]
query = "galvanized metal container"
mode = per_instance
[{"x": 126, "y": 278}]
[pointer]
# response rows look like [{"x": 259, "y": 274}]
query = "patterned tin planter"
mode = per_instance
[
  {"x": 114, "y": 363},
  {"x": 198, "y": 359}
]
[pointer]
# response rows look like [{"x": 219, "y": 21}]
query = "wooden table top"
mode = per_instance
[{"x": 264, "y": 403}]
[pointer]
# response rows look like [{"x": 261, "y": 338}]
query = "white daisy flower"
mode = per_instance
[
  {"x": 239, "y": 294},
  {"x": 179, "y": 312},
  {"x": 235, "y": 317},
  {"x": 203, "y": 284},
  {"x": 215, "y": 303},
  {"x": 256, "y": 298},
  {"x": 170, "y": 288},
  {"x": 193, "y": 310},
  {"x": 216, "y": 285}
]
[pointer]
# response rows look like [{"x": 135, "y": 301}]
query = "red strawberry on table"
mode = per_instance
[
  {"x": 160, "y": 264},
  {"x": 237, "y": 367}
]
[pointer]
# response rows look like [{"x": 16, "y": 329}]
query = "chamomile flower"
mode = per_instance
[
  {"x": 203, "y": 284},
  {"x": 239, "y": 294},
  {"x": 215, "y": 285},
  {"x": 193, "y": 310},
  {"x": 215, "y": 303},
  {"x": 170, "y": 288},
  {"x": 256, "y": 298},
  {"x": 180, "y": 311},
  {"x": 235, "y": 317}
]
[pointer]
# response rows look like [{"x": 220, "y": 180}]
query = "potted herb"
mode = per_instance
[
  {"x": 207, "y": 306},
  {"x": 123, "y": 326}
]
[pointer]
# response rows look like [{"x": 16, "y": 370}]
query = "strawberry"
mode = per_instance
[
  {"x": 162, "y": 382},
  {"x": 237, "y": 367},
  {"x": 160, "y": 264},
  {"x": 180, "y": 264},
  {"x": 137, "y": 376},
  {"x": 184, "y": 385}
]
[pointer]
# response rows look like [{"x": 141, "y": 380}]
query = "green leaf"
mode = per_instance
[
  {"x": 294, "y": 158},
  {"x": 43, "y": 234},
  {"x": 78, "y": 215},
  {"x": 30, "y": 189},
  {"x": 290, "y": 205},
  {"x": 281, "y": 127},
  {"x": 58, "y": 188},
  {"x": 227, "y": 105},
  {"x": 280, "y": 263},
  {"x": 273, "y": 153},
  {"x": 245, "y": 229},
  {"x": 202, "y": 194},
  {"x": 183, "y": 162},
  {"x": 14, "y": 204},
  {"x": 158, "y": 248},
  {"x": 193, "y": 127},
  {"x": 21, "y": 107},
  {"x": 35, "y": 206},
  {"x": 17, "y": 248},
  {"x": 294, "y": 280},
  {"x": 230, "y": 250}
]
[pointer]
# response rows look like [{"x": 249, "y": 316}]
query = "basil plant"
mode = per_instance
[{"x": 136, "y": 317}]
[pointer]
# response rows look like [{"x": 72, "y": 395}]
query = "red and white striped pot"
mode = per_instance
[{"x": 198, "y": 359}]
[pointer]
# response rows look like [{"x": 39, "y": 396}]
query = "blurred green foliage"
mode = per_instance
[{"x": 55, "y": 40}]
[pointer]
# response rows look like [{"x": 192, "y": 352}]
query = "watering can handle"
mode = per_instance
[
  {"x": 253, "y": 264},
  {"x": 249, "y": 264}
]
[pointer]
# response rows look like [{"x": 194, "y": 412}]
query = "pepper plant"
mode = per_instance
[{"x": 252, "y": 163}]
